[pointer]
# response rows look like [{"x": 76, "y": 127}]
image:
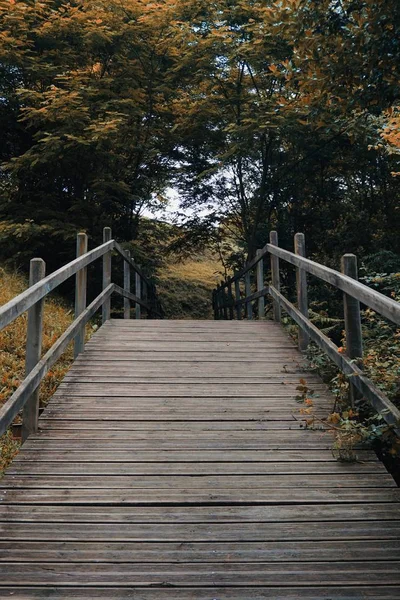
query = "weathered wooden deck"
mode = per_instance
[{"x": 172, "y": 463}]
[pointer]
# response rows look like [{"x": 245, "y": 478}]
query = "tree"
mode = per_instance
[{"x": 88, "y": 92}]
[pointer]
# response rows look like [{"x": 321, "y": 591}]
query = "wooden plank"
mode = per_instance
[
  {"x": 184, "y": 475},
  {"x": 151, "y": 497},
  {"x": 29, "y": 453},
  {"x": 292, "y": 513},
  {"x": 161, "y": 592},
  {"x": 189, "y": 574},
  {"x": 206, "y": 468},
  {"x": 204, "y": 532},
  {"x": 200, "y": 552},
  {"x": 198, "y": 481}
]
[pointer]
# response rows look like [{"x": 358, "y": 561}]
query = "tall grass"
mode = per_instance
[{"x": 57, "y": 317}]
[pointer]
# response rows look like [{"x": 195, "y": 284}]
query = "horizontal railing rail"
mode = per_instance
[
  {"x": 225, "y": 304},
  {"x": 26, "y": 396}
]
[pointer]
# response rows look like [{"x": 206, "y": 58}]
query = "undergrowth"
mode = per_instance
[{"x": 57, "y": 317}]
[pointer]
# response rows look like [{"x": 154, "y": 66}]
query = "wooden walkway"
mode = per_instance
[{"x": 172, "y": 464}]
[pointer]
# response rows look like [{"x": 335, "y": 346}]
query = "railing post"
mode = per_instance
[
  {"x": 30, "y": 412},
  {"x": 260, "y": 285},
  {"x": 230, "y": 298},
  {"x": 80, "y": 292},
  {"x": 237, "y": 298},
  {"x": 127, "y": 286},
  {"x": 352, "y": 319},
  {"x": 301, "y": 285},
  {"x": 218, "y": 301},
  {"x": 247, "y": 288},
  {"x": 145, "y": 296},
  {"x": 273, "y": 240},
  {"x": 224, "y": 302},
  {"x": 106, "y": 310},
  {"x": 138, "y": 293}
]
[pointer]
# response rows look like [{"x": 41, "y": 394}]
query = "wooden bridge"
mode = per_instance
[{"x": 173, "y": 462}]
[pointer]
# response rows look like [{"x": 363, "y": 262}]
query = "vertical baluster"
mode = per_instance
[
  {"x": 80, "y": 292},
  {"x": 247, "y": 286},
  {"x": 30, "y": 413},
  {"x": 237, "y": 298},
  {"x": 352, "y": 319},
  {"x": 224, "y": 301},
  {"x": 106, "y": 310},
  {"x": 273, "y": 239},
  {"x": 302, "y": 294},
  {"x": 260, "y": 285},
  {"x": 127, "y": 286},
  {"x": 230, "y": 298},
  {"x": 138, "y": 293}
]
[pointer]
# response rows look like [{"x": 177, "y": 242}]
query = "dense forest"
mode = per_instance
[{"x": 260, "y": 114}]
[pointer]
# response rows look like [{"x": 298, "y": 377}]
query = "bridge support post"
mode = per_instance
[
  {"x": 80, "y": 292},
  {"x": 273, "y": 240},
  {"x": 138, "y": 292},
  {"x": 230, "y": 298},
  {"x": 352, "y": 319},
  {"x": 260, "y": 286},
  {"x": 247, "y": 287},
  {"x": 127, "y": 287},
  {"x": 106, "y": 310},
  {"x": 237, "y": 298},
  {"x": 302, "y": 294},
  {"x": 30, "y": 414},
  {"x": 224, "y": 302}
]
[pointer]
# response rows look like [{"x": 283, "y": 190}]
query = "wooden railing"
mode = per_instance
[
  {"x": 227, "y": 304},
  {"x": 26, "y": 397}
]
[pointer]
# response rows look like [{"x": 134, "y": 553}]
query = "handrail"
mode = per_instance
[
  {"x": 379, "y": 302},
  {"x": 354, "y": 293},
  {"x": 21, "y": 303},
  {"x": 31, "y": 300},
  {"x": 15, "y": 403},
  {"x": 378, "y": 400},
  {"x": 134, "y": 266}
]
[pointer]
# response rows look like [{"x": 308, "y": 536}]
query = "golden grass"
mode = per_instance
[
  {"x": 185, "y": 288},
  {"x": 57, "y": 317}
]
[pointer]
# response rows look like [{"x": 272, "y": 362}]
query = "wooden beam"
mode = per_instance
[
  {"x": 385, "y": 306},
  {"x": 29, "y": 297},
  {"x": 106, "y": 311},
  {"x": 127, "y": 287},
  {"x": 260, "y": 285},
  {"x": 273, "y": 238},
  {"x": 380, "y": 403},
  {"x": 230, "y": 298},
  {"x": 15, "y": 403},
  {"x": 301, "y": 288},
  {"x": 248, "y": 301},
  {"x": 34, "y": 334},
  {"x": 132, "y": 263},
  {"x": 138, "y": 290},
  {"x": 352, "y": 319},
  {"x": 80, "y": 291},
  {"x": 237, "y": 298},
  {"x": 125, "y": 294}
]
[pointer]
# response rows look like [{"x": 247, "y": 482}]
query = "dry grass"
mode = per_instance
[
  {"x": 185, "y": 288},
  {"x": 57, "y": 317}
]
